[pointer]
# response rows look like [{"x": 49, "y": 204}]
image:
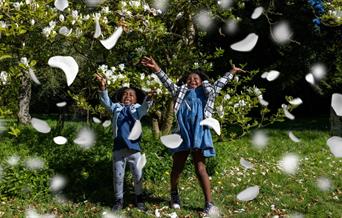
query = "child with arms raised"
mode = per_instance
[{"x": 194, "y": 101}]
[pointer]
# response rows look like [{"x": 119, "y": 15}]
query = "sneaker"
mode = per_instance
[
  {"x": 175, "y": 201},
  {"x": 118, "y": 205},
  {"x": 211, "y": 210},
  {"x": 139, "y": 202}
]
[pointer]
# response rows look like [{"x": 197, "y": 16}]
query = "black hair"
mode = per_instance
[{"x": 200, "y": 73}]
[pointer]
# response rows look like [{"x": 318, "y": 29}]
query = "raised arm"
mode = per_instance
[
  {"x": 220, "y": 83},
  {"x": 167, "y": 82},
  {"x": 103, "y": 94}
]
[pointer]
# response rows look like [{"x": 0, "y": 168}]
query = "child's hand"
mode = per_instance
[
  {"x": 150, "y": 63},
  {"x": 235, "y": 70},
  {"x": 151, "y": 94},
  {"x": 102, "y": 81}
]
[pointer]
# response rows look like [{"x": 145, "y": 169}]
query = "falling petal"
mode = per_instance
[
  {"x": 272, "y": 75},
  {"x": 61, "y": 4},
  {"x": 106, "y": 123},
  {"x": 96, "y": 120},
  {"x": 67, "y": 64},
  {"x": 296, "y": 101},
  {"x": 249, "y": 193},
  {"x": 85, "y": 138},
  {"x": 335, "y": 145},
  {"x": 289, "y": 163},
  {"x": 246, "y": 164},
  {"x": 225, "y": 3},
  {"x": 13, "y": 160},
  {"x": 60, "y": 140},
  {"x": 141, "y": 162},
  {"x": 57, "y": 183},
  {"x": 61, "y": 104},
  {"x": 64, "y": 31},
  {"x": 323, "y": 183},
  {"x": 247, "y": 44},
  {"x": 336, "y": 103},
  {"x": 231, "y": 26},
  {"x": 110, "y": 42},
  {"x": 171, "y": 141},
  {"x": 281, "y": 32},
  {"x": 157, "y": 213},
  {"x": 136, "y": 131},
  {"x": 40, "y": 125},
  {"x": 212, "y": 123},
  {"x": 97, "y": 28},
  {"x": 160, "y": 4},
  {"x": 204, "y": 20},
  {"x": 33, "y": 76},
  {"x": 257, "y": 12},
  {"x": 93, "y": 3},
  {"x": 310, "y": 78},
  {"x": 287, "y": 113},
  {"x": 262, "y": 101},
  {"x": 293, "y": 137},
  {"x": 34, "y": 163},
  {"x": 319, "y": 71},
  {"x": 264, "y": 75},
  {"x": 259, "y": 139}
]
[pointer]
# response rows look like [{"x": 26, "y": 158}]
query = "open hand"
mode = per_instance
[
  {"x": 102, "y": 81},
  {"x": 235, "y": 70},
  {"x": 150, "y": 63}
]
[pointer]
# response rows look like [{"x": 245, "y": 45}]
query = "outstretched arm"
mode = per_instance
[
  {"x": 167, "y": 82},
  {"x": 220, "y": 83}
]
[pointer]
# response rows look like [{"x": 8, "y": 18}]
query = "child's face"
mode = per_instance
[
  {"x": 193, "y": 81},
  {"x": 129, "y": 97}
]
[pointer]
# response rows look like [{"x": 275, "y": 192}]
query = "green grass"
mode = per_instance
[{"x": 89, "y": 189}]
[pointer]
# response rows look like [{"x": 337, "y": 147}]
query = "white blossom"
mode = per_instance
[
  {"x": 142, "y": 76},
  {"x": 24, "y": 61},
  {"x": 32, "y": 22},
  {"x": 134, "y": 4},
  {"x": 16, "y": 5},
  {"x": 3, "y": 24},
  {"x": 52, "y": 24},
  {"x": 113, "y": 69},
  {"x": 103, "y": 68},
  {"x": 146, "y": 7},
  {"x": 226, "y": 97},
  {"x": 3, "y": 77},
  {"x": 122, "y": 67},
  {"x": 46, "y": 31},
  {"x": 74, "y": 14},
  {"x": 61, "y": 18},
  {"x": 85, "y": 18},
  {"x": 105, "y": 10},
  {"x": 28, "y": 2},
  {"x": 105, "y": 20}
]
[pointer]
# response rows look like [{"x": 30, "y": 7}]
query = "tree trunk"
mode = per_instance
[
  {"x": 168, "y": 119},
  {"x": 24, "y": 99},
  {"x": 156, "y": 117},
  {"x": 335, "y": 123}
]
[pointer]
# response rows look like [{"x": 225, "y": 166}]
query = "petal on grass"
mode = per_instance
[
  {"x": 272, "y": 75},
  {"x": 289, "y": 163},
  {"x": 249, "y": 193},
  {"x": 171, "y": 141},
  {"x": 281, "y": 32},
  {"x": 310, "y": 78},
  {"x": 246, "y": 164},
  {"x": 323, "y": 183},
  {"x": 13, "y": 160},
  {"x": 60, "y": 140}
]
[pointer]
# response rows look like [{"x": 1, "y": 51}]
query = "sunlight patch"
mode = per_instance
[
  {"x": 246, "y": 164},
  {"x": 136, "y": 131},
  {"x": 110, "y": 42},
  {"x": 60, "y": 140},
  {"x": 171, "y": 141},
  {"x": 259, "y": 139},
  {"x": 289, "y": 163},
  {"x": 293, "y": 137},
  {"x": 257, "y": 12},
  {"x": 247, "y": 44},
  {"x": 85, "y": 138},
  {"x": 335, "y": 145},
  {"x": 40, "y": 125},
  {"x": 212, "y": 123},
  {"x": 61, "y": 4},
  {"x": 249, "y": 193},
  {"x": 34, "y": 163},
  {"x": 58, "y": 182},
  {"x": 281, "y": 32},
  {"x": 67, "y": 64},
  {"x": 336, "y": 103}
]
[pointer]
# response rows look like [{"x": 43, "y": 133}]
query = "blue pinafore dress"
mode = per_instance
[{"x": 189, "y": 116}]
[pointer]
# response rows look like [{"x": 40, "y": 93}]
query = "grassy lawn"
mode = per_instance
[{"x": 88, "y": 192}]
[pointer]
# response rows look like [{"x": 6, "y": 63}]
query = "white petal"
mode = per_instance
[
  {"x": 61, "y": 4},
  {"x": 281, "y": 32},
  {"x": 111, "y": 41},
  {"x": 13, "y": 160},
  {"x": 61, "y": 104},
  {"x": 106, "y": 123},
  {"x": 336, "y": 103},
  {"x": 272, "y": 75},
  {"x": 246, "y": 164},
  {"x": 262, "y": 101},
  {"x": 319, "y": 71},
  {"x": 34, "y": 163},
  {"x": 60, "y": 140},
  {"x": 33, "y": 76},
  {"x": 97, "y": 28},
  {"x": 288, "y": 114},
  {"x": 247, "y": 44},
  {"x": 64, "y": 31},
  {"x": 225, "y": 3},
  {"x": 259, "y": 139},
  {"x": 157, "y": 213},
  {"x": 141, "y": 162},
  {"x": 323, "y": 183},
  {"x": 264, "y": 75},
  {"x": 171, "y": 141},
  {"x": 289, "y": 163},
  {"x": 85, "y": 138},
  {"x": 96, "y": 120},
  {"x": 136, "y": 131},
  {"x": 335, "y": 145},
  {"x": 249, "y": 193},
  {"x": 203, "y": 20},
  {"x": 40, "y": 125},
  {"x": 57, "y": 183},
  {"x": 212, "y": 123},
  {"x": 67, "y": 64},
  {"x": 257, "y": 12},
  {"x": 293, "y": 137},
  {"x": 310, "y": 78},
  {"x": 296, "y": 101}
]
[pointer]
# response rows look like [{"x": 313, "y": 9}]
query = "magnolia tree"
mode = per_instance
[{"x": 112, "y": 37}]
